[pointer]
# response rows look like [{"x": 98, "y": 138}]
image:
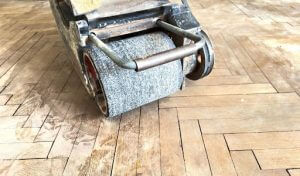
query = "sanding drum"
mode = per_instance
[{"x": 120, "y": 90}]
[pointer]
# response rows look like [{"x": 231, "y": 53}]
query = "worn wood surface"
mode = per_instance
[{"x": 244, "y": 119}]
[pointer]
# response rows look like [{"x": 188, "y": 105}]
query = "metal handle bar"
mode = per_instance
[{"x": 156, "y": 59}]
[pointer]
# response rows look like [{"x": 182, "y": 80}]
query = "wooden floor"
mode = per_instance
[{"x": 244, "y": 119}]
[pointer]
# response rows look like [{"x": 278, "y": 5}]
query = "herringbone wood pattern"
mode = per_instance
[{"x": 244, "y": 119}]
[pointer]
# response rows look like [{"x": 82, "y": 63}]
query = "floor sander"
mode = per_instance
[{"x": 132, "y": 52}]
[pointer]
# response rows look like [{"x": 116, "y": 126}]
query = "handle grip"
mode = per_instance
[{"x": 168, "y": 56}]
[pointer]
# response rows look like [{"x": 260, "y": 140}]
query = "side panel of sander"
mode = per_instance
[{"x": 128, "y": 89}]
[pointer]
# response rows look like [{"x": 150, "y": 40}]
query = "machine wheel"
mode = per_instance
[
  {"x": 94, "y": 84},
  {"x": 205, "y": 60}
]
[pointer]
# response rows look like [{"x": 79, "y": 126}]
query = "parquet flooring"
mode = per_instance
[{"x": 242, "y": 120}]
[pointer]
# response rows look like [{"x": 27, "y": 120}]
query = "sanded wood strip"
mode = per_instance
[
  {"x": 195, "y": 158},
  {"x": 278, "y": 158},
  {"x": 246, "y": 165},
  {"x": 226, "y": 90},
  {"x": 218, "y": 156},
  {"x": 172, "y": 162},
  {"x": 271, "y": 140}
]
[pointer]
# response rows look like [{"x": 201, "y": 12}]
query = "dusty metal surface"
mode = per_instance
[
  {"x": 106, "y": 8},
  {"x": 127, "y": 89}
]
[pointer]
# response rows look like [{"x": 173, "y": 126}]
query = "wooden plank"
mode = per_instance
[
  {"x": 8, "y": 110},
  {"x": 15, "y": 57},
  {"x": 278, "y": 158},
  {"x": 18, "y": 67},
  {"x": 271, "y": 140},
  {"x": 239, "y": 111},
  {"x": 294, "y": 172},
  {"x": 266, "y": 65},
  {"x": 125, "y": 161},
  {"x": 260, "y": 124},
  {"x": 149, "y": 141},
  {"x": 71, "y": 124},
  {"x": 245, "y": 165},
  {"x": 33, "y": 167},
  {"x": 19, "y": 92},
  {"x": 18, "y": 135},
  {"x": 39, "y": 114},
  {"x": 4, "y": 99},
  {"x": 24, "y": 150},
  {"x": 195, "y": 158},
  {"x": 218, "y": 155},
  {"x": 172, "y": 161},
  {"x": 102, "y": 156},
  {"x": 220, "y": 72},
  {"x": 220, "y": 80},
  {"x": 228, "y": 56},
  {"x": 12, "y": 122},
  {"x": 251, "y": 68},
  {"x": 79, "y": 160},
  {"x": 229, "y": 100},
  {"x": 55, "y": 117},
  {"x": 226, "y": 90}
]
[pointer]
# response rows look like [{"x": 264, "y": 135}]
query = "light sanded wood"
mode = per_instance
[
  {"x": 18, "y": 135},
  {"x": 15, "y": 70},
  {"x": 267, "y": 66},
  {"x": 253, "y": 71},
  {"x": 220, "y": 72},
  {"x": 261, "y": 124},
  {"x": 55, "y": 117},
  {"x": 79, "y": 160},
  {"x": 70, "y": 125},
  {"x": 39, "y": 114},
  {"x": 239, "y": 111},
  {"x": 8, "y": 110},
  {"x": 226, "y": 90},
  {"x": 19, "y": 92},
  {"x": 195, "y": 158},
  {"x": 218, "y": 156},
  {"x": 246, "y": 165},
  {"x": 221, "y": 80},
  {"x": 12, "y": 122},
  {"x": 25, "y": 167},
  {"x": 24, "y": 150},
  {"x": 4, "y": 99},
  {"x": 275, "y": 140},
  {"x": 172, "y": 162},
  {"x": 101, "y": 159},
  {"x": 278, "y": 158},
  {"x": 294, "y": 172},
  {"x": 125, "y": 161},
  {"x": 229, "y": 100},
  {"x": 230, "y": 59},
  {"x": 149, "y": 146}
]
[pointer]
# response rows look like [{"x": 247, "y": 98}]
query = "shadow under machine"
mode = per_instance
[{"x": 131, "y": 52}]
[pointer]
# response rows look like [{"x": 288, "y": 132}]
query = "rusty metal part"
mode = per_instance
[{"x": 168, "y": 56}]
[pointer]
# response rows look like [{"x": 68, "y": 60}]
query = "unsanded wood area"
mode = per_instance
[{"x": 242, "y": 120}]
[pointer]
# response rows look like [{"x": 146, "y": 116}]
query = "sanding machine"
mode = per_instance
[{"x": 131, "y": 52}]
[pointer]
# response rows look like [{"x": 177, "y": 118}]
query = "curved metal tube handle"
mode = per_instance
[
  {"x": 130, "y": 64},
  {"x": 159, "y": 58}
]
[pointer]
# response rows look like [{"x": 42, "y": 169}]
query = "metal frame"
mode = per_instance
[{"x": 141, "y": 64}]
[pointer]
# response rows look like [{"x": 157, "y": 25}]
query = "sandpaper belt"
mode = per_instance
[{"x": 128, "y": 89}]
